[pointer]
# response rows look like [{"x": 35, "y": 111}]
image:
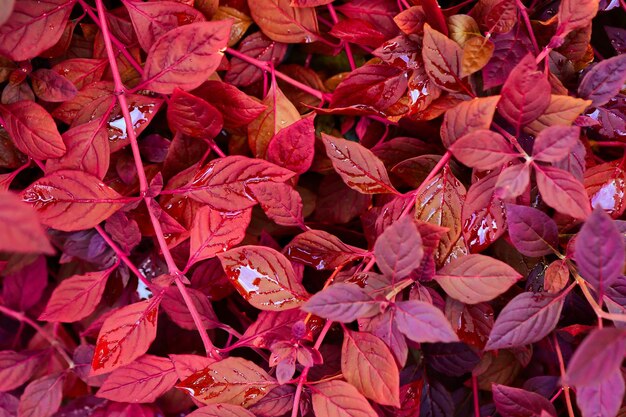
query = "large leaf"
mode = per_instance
[
  {"x": 236, "y": 107},
  {"x": 190, "y": 115},
  {"x": 18, "y": 367},
  {"x": 339, "y": 399},
  {"x": 603, "y": 399},
  {"x": 151, "y": 20},
  {"x": 604, "y": 81},
  {"x": 294, "y": 146},
  {"x": 398, "y": 250},
  {"x": 142, "y": 381},
  {"x": 467, "y": 117},
  {"x": 33, "y": 27},
  {"x": 43, "y": 396},
  {"x": 20, "y": 230},
  {"x": 264, "y": 277},
  {"x": 562, "y": 111},
  {"x": 442, "y": 59},
  {"x": 33, "y": 130},
  {"x": 423, "y": 322},
  {"x": 222, "y": 182},
  {"x": 515, "y": 402},
  {"x": 597, "y": 357},
  {"x": 483, "y": 149},
  {"x": 600, "y": 252},
  {"x": 52, "y": 87},
  {"x": 526, "y": 319},
  {"x": 76, "y": 297},
  {"x": 174, "y": 304},
  {"x": 561, "y": 191},
  {"x": 185, "y": 57},
  {"x": 476, "y": 278},
  {"x": 532, "y": 232},
  {"x": 555, "y": 143},
  {"x": 343, "y": 303},
  {"x": 282, "y": 22},
  {"x": 259, "y": 47},
  {"x": 232, "y": 381},
  {"x": 125, "y": 335},
  {"x": 359, "y": 168},
  {"x": 367, "y": 363},
  {"x": 72, "y": 200},
  {"x": 575, "y": 14}
]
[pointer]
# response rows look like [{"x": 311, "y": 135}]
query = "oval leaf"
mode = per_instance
[
  {"x": 423, "y": 323},
  {"x": 20, "y": 230},
  {"x": 340, "y": 399},
  {"x": 532, "y": 232}
]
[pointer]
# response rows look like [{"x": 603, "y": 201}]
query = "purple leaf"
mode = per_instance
[
  {"x": 532, "y": 232},
  {"x": 398, "y": 249},
  {"x": 423, "y": 322},
  {"x": 597, "y": 357},
  {"x": 343, "y": 303},
  {"x": 555, "y": 143},
  {"x": 603, "y": 399},
  {"x": 515, "y": 402}
]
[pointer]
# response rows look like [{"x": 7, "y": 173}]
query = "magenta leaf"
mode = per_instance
[
  {"x": 280, "y": 202},
  {"x": 602, "y": 399},
  {"x": 343, "y": 303},
  {"x": 142, "y": 381},
  {"x": 20, "y": 230},
  {"x": 555, "y": 143},
  {"x": 515, "y": 402},
  {"x": 398, "y": 250},
  {"x": 526, "y": 319},
  {"x": 18, "y": 367},
  {"x": 340, "y": 399},
  {"x": 597, "y": 358},
  {"x": 43, "y": 396},
  {"x": 321, "y": 250},
  {"x": 600, "y": 251},
  {"x": 532, "y": 232},
  {"x": 221, "y": 410},
  {"x": 483, "y": 149},
  {"x": 561, "y": 191},
  {"x": 423, "y": 323},
  {"x": 22, "y": 289}
]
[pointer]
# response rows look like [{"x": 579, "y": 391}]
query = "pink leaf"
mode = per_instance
[
  {"x": 555, "y": 143},
  {"x": 186, "y": 365},
  {"x": 72, "y": 200},
  {"x": 359, "y": 32},
  {"x": 142, "y": 381},
  {"x": 18, "y": 367},
  {"x": 237, "y": 108},
  {"x": 423, "y": 322},
  {"x": 264, "y": 277},
  {"x": 20, "y": 230},
  {"x": 321, "y": 250},
  {"x": 76, "y": 297},
  {"x": 52, "y": 87},
  {"x": 125, "y": 335},
  {"x": 597, "y": 357},
  {"x": 603, "y": 399},
  {"x": 367, "y": 364},
  {"x": 339, "y": 399},
  {"x": 483, "y": 149},
  {"x": 293, "y": 146},
  {"x": 604, "y": 80},
  {"x": 513, "y": 181},
  {"x": 575, "y": 14},
  {"x": 42, "y": 397},
  {"x": 561, "y": 191},
  {"x": 467, "y": 117},
  {"x": 280, "y": 202},
  {"x": 259, "y": 47},
  {"x": 515, "y": 402},
  {"x": 33, "y": 130},
  {"x": 360, "y": 169},
  {"x": 343, "y": 303},
  {"x": 22, "y": 289},
  {"x": 185, "y": 57},
  {"x": 532, "y": 232},
  {"x": 174, "y": 305},
  {"x": 190, "y": 115},
  {"x": 398, "y": 250},
  {"x": 221, "y": 410},
  {"x": 476, "y": 278},
  {"x": 81, "y": 72},
  {"x": 283, "y": 23}
]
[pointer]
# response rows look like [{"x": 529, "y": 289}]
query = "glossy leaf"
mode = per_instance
[
  {"x": 442, "y": 59},
  {"x": 20, "y": 230},
  {"x": 321, "y": 250},
  {"x": 282, "y": 22},
  {"x": 423, "y": 323},
  {"x": 532, "y": 232}
]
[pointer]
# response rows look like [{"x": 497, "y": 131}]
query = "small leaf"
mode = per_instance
[
  {"x": 555, "y": 143},
  {"x": 20, "y": 230},
  {"x": 483, "y": 149},
  {"x": 556, "y": 276},
  {"x": 125, "y": 335},
  {"x": 190, "y": 115},
  {"x": 561, "y": 191},
  {"x": 23, "y": 289},
  {"x": 81, "y": 72},
  {"x": 532, "y": 232},
  {"x": 359, "y": 168},
  {"x": 367, "y": 364},
  {"x": 174, "y": 304},
  {"x": 185, "y": 57},
  {"x": 33, "y": 130},
  {"x": 526, "y": 319},
  {"x": 477, "y": 51},
  {"x": 476, "y": 278},
  {"x": 294, "y": 146},
  {"x": 562, "y": 111},
  {"x": 467, "y": 117},
  {"x": 237, "y": 108},
  {"x": 50, "y": 86},
  {"x": 423, "y": 323},
  {"x": 43, "y": 396},
  {"x": 142, "y": 381},
  {"x": 442, "y": 59},
  {"x": 339, "y": 399},
  {"x": 283, "y": 23},
  {"x": 603, "y": 399},
  {"x": 18, "y": 367},
  {"x": 398, "y": 250},
  {"x": 599, "y": 251},
  {"x": 597, "y": 358},
  {"x": 343, "y": 303},
  {"x": 76, "y": 297},
  {"x": 280, "y": 202},
  {"x": 604, "y": 81},
  {"x": 72, "y": 200},
  {"x": 231, "y": 381},
  {"x": 513, "y": 181},
  {"x": 515, "y": 402},
  {"x": 264, "y": 277}
]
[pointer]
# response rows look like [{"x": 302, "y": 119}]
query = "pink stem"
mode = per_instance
[
  {"x": 442, "y": 162},
  {"x": 529, "y": 28},
  {"x": 346, "y": 45},
  {"x": 143, "y": 185},
  {"x": 475, "y": 395},
  {"x": 122, "y": 256}
]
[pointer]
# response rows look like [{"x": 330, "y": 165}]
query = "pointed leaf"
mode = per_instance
[
  {"x": 477, "y": 51},
  {"x": 190, "y": 115},
  {"x": 467, "y": 117},
  {"x": 280, "y": 202},
  {"x": 513, "y": 181},
  {"x": 175, "y": 306},
  {"x": 237, "y": 108},
  {"x": 561, "y": 191},
  {"x": 575, "y": 14},
  {"x": 340, "y": 399},
  {"x": 515, "y": 402},
  {"x": 597, "y": 358},
  {"x": 283, "y": 23},
  {"x": 52, "y": 87},
  {"x": 18, "y": 367},
  {"x": 423, "y": 323},
  {"x": 321, "y": 250},
  {"x": 20, "y": 230},
  {"x": 398, "y": 249},
  {"x": 264, "y": 277},
  {"x": 42, "y": 397},
  {"x": 532, "y": 232},
  {"x": 555, "y": 143},
  {"x": 561, "y": 111},
  {"x": 294, "y": 146},
  {"x": 442, "y": 59},
  {"x": 343, "y": 303},
  {"x": 483, "y": 149},
  {"x": 603, "y": 399},
  {"x": 604, "y": 81},
  {"x": 476, "y": 278}
]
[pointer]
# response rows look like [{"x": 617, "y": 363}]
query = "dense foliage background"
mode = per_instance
[{"x": 312, "y": 207}]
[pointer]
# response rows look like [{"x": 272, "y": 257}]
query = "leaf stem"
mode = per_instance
[
  {"x": 346, "y": 45},
  {"x": 475, "y": 395},
  {"x": 22, "y": 318},
  {"x": 524, "y": 12},
  {"x": 122, "y": 256},
  {"x": 568, "y": 398},
  {"x": 143, "y": 184}
]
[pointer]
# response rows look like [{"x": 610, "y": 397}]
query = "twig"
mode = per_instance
[
  {"x": 122, "y": 256},
  {"x": 529, "y": 28},
  {"x": 568, "y": 399}
]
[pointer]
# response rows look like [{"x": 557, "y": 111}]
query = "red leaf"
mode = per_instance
[
  {"x": 605, "y": 185},
  {"x": 76, "y": 297},
  {"x": 321, "y": 250},
  {"x": 20, "y": 230},
  {"x": 222, "y": 183},
  {"x": 337, "y": 203},
  {"x": 411, "y": 20},
  {"x": 236, "y": 107},
  {"x": 81, "y": 72},
  {"x": 398, "y": 250},
  {"x": 42, "y": 397},
  {"x": 50, "y": 86},
  {"x": 367, "y": 364},
  {"x": 259, "y": 47},
  {"x": 339, "y": 399},
  {"x": 597, "y": 357},
  {"x": 221, "y": 410},
  {"x": 125, "y": 335},
  {"x": 22, "y": 289},
  {"x": 280, "y": 202},
  {"x": 151, "y": 20},
  {"x": 33, "y": 27},
  {"x": 526, "y": 319},
  {"x": 186, "y": 365},
  {"x": 423, "y": 322},
  {"x": 525, "y": 94},
  {"x": 509, "y": 50},
  {"x": 575, "y": 14},
  {"x": 270, "y": 327},
  {"x": 561, "y": 191},
  {"x": 18, "y": 367},
  {"x": 532, "y": 232},
  {"x": 283, "y": 23},
  {"x": 555, "y": 143},
  {"x": 342, "y": 302},
  {"x": 384, "y": 326},
  {"x": 87, "y": 150},
  {"x": 33, "y": 130},
  {"x": 604, "y": 81},
  {"x": 213, "y": 232},
  {"x": 483, "y": 149},
  {"x": 293, "y": 147},
  {"x": 359, "y": 32},
  {"x": 476, "y": 278},
  {"x": 467, "y": 117},
  {"x": 360, "y": 169},
  {"x": 515, "y": 402},
  {"x": 142, "y": 381},
  {"x": 264, "y": 277},
  {"x": 192, "y": 116},
  {"x": 442, "y": 59},
  {"x": 175, "y": 306},
  {"x": 72, "y": 200},
  {"x": 231, "y": 381},
  {"x": 185, "y": 57},
  {"x": 513, "y": 181}
]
